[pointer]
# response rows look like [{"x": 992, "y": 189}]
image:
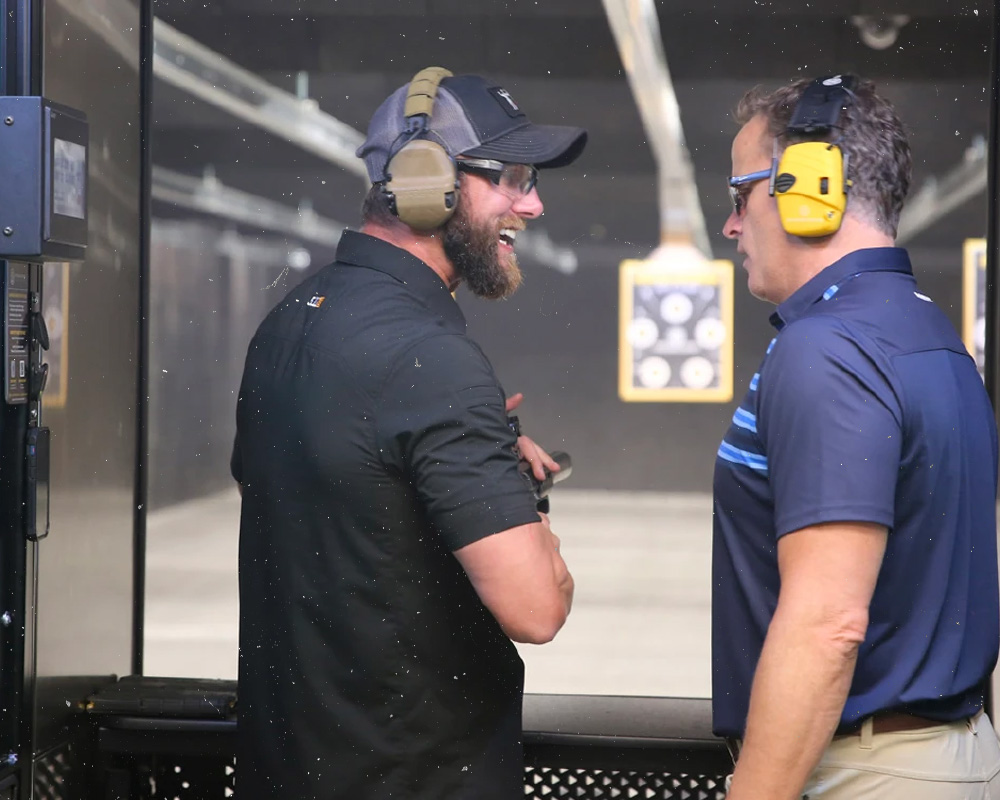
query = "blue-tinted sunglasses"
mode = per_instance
[{"x": 740, "y": 185}]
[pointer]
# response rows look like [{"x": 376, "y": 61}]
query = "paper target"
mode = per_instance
[{"x": 676, "y": 332}]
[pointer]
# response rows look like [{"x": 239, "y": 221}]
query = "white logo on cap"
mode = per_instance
[
  {"x": 506, "y": 96},
  {"x": 834, "y": 81}
]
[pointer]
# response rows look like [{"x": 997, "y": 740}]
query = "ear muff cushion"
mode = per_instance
[
  {"x": 809, "y": 187},
  {"x": 422, "y": 179}
]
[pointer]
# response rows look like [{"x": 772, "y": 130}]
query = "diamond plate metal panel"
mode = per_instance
[
  {"x": 56, "y": 776},
  {"x": 191, "y": 778},
  {"x": 596, "y": 784}
]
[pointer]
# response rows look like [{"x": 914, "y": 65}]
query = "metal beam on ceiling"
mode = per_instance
[
  {"x": 941, "y": 195},
  {"x": 636, "y": 29},
  {"x": 208, "y": 195},
  {"x": 194, "y": 68}
]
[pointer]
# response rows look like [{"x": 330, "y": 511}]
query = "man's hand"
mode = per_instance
[{"x": 539, "y": 460}]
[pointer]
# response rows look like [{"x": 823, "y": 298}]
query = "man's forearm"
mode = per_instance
[
  {"x": 563, "y": 578},
  {"x": 798, "y": 695},
  {"x": 566, "y": 588}
]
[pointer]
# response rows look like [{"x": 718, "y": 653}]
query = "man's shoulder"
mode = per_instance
[
  {"x": 343, "y": 301},
  {"x": 445, "y": 359},
  {"x": 357, "y": 319},
  {"x": 883, "y": 315},
  {"x": 820, "y": 354},
  {"x": 816, "y": 334}
]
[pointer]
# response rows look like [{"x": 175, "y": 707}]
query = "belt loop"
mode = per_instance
[{"x": 867, "y": 732}]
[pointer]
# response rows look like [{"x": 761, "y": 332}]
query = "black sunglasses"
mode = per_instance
[{"x": 516, "y": 179}]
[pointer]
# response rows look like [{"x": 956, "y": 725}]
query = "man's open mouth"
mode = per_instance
[{"x": 507, "y": 236}]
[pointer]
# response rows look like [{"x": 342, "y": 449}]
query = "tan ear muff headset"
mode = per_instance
[
  {"x": 810, "y": 181},
  {"x": 421, "y": 180}
]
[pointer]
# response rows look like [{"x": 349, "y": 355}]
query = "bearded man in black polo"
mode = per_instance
[{"x": 390, "y": 550}]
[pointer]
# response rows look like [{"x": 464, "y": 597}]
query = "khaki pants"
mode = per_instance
[{"x": 951, "y": 761}]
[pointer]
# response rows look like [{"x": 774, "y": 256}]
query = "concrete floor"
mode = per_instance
[{"x": 640, "y": 621}]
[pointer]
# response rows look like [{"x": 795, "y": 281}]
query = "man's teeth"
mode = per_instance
[{"x": 507, "y": 235}]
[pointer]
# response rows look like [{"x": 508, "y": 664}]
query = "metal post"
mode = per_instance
[
  {"x": 142, "y": 383},
  {"x": 20, "y": 74},
  {"x": 992, "y": 351}
]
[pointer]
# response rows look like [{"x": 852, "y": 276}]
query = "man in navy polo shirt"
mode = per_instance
[{"x": 855, "y": 608}]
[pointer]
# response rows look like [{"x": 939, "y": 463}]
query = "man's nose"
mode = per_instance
[
  {"x": 530, "y": 206},
  {"x": 733, "y": 225}
]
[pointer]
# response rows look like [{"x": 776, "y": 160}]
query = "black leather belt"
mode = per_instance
[{"x": 882, "y": 722}]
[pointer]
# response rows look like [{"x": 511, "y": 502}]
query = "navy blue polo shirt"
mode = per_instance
[{"x": 866, "y": 408}]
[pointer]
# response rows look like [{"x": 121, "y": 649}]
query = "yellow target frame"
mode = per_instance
[
  {"x": 973, "y": 261},
  {"x": 635, "y": 272},
  {"x": 50, "y": 399}
]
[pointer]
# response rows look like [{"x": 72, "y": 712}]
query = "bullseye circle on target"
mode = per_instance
[
  {"x": 697, "y": 372},
  {"x": 676, "y": 308},
  {"x": 643, "y": 333},
  {"x": 709, "y": 333},
  {"x": 654, "y": 372}
]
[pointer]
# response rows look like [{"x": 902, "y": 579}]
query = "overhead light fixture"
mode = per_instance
[{"x": 879, "y": 32}]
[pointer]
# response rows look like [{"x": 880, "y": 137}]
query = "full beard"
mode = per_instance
[{"x": 474, "y": 250}]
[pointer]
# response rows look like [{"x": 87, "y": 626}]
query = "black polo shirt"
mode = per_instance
[{"x": 372, "y": 442}]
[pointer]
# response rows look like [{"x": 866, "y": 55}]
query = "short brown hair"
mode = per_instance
[
  {"x": 870, "y": 134},
  {"x": 376, "y": 208}
]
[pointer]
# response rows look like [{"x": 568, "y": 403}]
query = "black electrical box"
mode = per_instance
[{"x": 43, "y": 180}]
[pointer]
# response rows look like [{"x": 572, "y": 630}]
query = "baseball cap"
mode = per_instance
[{"x": 477, "y": 118}]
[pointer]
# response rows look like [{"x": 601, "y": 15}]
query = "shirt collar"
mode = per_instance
[
  {"x": 872, "y": 259},
  {"x": 361, "y": 250}
]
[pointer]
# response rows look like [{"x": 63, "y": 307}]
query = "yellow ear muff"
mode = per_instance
[
  {"x": 811, "y": 189},
  {"x": 421, "y": 178}
]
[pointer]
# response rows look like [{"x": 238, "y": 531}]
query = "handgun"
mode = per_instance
[{"x": 541, "y": 488}]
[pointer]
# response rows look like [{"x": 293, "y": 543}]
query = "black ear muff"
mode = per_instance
[
  {"x": 421, "y": 179},
  {"x": 811, "y": 178}
]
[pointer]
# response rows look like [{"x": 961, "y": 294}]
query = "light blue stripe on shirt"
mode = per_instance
[
  {"x": 754, "y": 381},
  {"x": 744, "y": 419},
  {"x": 755, "y": 461}
]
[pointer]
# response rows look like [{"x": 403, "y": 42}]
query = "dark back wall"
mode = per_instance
[{"x": 556, "y": 340}]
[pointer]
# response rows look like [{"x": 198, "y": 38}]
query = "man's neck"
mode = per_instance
[
  {"x": 425, "y": 246},
  {"x": 813, "y": 257}
]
